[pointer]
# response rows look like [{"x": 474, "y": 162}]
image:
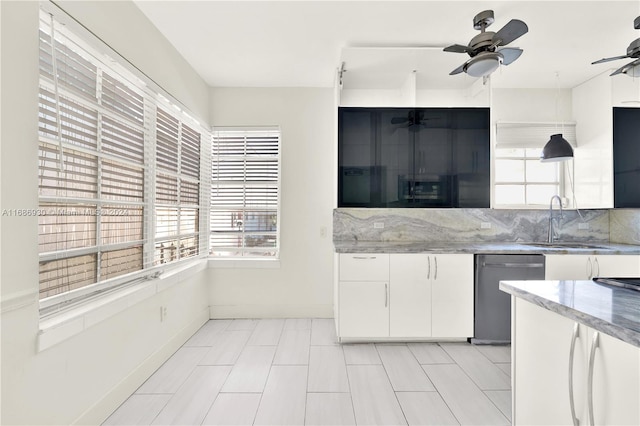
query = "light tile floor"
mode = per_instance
[{"x": 294, "y": 372}]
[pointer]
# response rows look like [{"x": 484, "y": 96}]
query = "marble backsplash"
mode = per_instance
[
  {"x": 469, "y": 225},
  {"x": 624, "y": 226}
]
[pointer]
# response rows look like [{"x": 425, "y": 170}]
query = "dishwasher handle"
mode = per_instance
[{"x": 512, "y": 265}]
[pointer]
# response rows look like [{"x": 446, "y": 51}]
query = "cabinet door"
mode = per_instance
[
  {"x": 616, "y": 266},
  {"x": 395, "y": 133},
  {"x": 364, "y": 267},
  {"x": 616, "y": 382},
  {"x": 357, "y": 176},
  {"x": 540, "y": 345},
  {"x": 568, "y": 267},
  {"x": 452, "y": 295},
  {"x": 364, "y": 309},
  {"x": 626, "y": 157},
  {"x": 410, "y": 297}
]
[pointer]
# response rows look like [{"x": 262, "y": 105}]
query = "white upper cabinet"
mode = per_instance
[{"x": 593, "y": 159}]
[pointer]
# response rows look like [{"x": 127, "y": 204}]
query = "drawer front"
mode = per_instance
[{"x": 364, "y": 267}]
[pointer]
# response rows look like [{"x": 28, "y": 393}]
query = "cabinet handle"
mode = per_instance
[
  {"x": 435, "y": 274},
  {"x": 589, "y": 268},
  {"x": 429, "y": 270},
  {"x": 364, "y": 257},
  {"x": 572, "y": 404},
  {"x": 597, "y": 274},
  {"x": 592, "y": 356},
  {"x": 386, "y": 295}
]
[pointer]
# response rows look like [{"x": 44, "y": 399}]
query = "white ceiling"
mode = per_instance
[{"x": 302, "y": 43}]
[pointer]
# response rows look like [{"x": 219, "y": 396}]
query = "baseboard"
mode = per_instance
[
  {"x": 99, "y": 412},
  {"x": 270, "y": 311}
]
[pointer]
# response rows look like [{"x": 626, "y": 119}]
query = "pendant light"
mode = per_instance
[{"x": 558, "y": 148}]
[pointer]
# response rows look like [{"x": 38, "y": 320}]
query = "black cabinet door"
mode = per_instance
[
  {"x": 413, "y": 157},
  {"x": 433, "y": 156},
  {"x": 357, "y": 175},
  {"x": 395, "y": 155},
  {"x": 626, "y": 157},
  {"x": 471, "y": 180}
]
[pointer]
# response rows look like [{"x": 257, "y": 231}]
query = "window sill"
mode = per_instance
[
  {"x": 58, "y": 327},
  {"x": 215, "y": 263}
]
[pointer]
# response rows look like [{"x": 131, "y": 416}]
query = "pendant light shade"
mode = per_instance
[{"x": 557, "y": 149}]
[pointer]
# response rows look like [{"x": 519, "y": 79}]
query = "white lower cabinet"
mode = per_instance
[
  {"x": 364, "y": 308},
  {"x": 586, "y": 267},
  {"x": 545, "y": 345},
  {"x": 363, "y": 289},
  {"x": 452, "y": 296},
  {"x": 410, "y": 313},
  {"x": 414, "y": 296}
]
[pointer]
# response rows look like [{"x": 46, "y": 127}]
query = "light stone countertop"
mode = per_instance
[
  {"x": 610, "y": 310},
  {"x": 587, "y": 248}
]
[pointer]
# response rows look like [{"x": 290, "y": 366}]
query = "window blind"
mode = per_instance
[
  {"x": 119, "y": 170},
  {"x": 245, "y": 193},
  {"x": 91, "y": 167},
  {"x": 532, "y": 135},
  {"x": 177, "y": 189}
]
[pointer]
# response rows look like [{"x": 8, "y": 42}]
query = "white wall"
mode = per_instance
[
  {"x": 531, "y": 105},
  {"x": 84, "y": 378},
  {"x": 592, "y": 103},
  {"x": 302, "y": 286}
]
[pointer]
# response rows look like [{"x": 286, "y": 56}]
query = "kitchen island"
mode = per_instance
[{"x": 575, "y": 353}]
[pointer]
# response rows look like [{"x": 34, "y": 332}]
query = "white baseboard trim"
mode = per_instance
[
  {"x": 99, "y": 412},
  {"x": 270, "y": 311}
]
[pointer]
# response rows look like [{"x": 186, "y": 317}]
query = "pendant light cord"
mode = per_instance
[
  {"x": 571, "y": 184},
  {"x": 573, "y": 193}
]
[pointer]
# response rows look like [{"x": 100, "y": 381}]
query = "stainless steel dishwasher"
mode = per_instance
[{"x": 492, "y": 320}]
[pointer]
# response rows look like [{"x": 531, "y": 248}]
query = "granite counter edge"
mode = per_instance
[{"x": 629, "y": 336}]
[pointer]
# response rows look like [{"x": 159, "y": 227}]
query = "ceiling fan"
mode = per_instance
[
  {"x": 412, "y": 120},
  {"x": 633, "y": 51},
  {"x": 486, "y": 49}
]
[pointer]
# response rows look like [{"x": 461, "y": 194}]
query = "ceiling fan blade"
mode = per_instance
[
  {"x": 458, "y": 48},
  {"x": 510, "y": 54},
  {"x": 614, "y": 58},
  {"x": 625, "y": 68},
  {"x": 399, "y": 120},
  {"x": 458, "y": 70},
  {"x": 514, "y": 29}
]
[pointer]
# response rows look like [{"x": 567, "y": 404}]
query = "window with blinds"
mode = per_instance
[
  {"x": 177, "y": 189},
  {"x": 245, "y": 193},
  {"x": 99, "y": 131},
  {"x": 520, "y": 179}
]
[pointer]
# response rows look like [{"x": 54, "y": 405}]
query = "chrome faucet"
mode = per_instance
[{"x": 552, "y": 232}]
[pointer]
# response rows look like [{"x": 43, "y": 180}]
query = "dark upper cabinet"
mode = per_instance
[
  {"x": 626, "y": 157},
  {"x": 413, "y": 157}
]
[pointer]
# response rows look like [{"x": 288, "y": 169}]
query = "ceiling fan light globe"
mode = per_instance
[
  {"x": 482, "y": 65},
  {"x": 634, "y": 71}
]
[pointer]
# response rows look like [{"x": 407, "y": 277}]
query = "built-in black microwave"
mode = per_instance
[{"x": 427, "y": 192}]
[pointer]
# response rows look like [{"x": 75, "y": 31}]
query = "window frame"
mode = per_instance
[
  {"x": 530, "y": 136},
  {"x": 255, "y": 260},
  {"x": 560, "y": 182},
  {"x": 120, "y": 70}
]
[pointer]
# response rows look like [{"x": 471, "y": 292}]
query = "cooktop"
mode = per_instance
[{"x": 630, "y": 283}]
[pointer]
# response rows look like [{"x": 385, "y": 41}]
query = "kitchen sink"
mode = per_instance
[{"x": 568, "y": 245}]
